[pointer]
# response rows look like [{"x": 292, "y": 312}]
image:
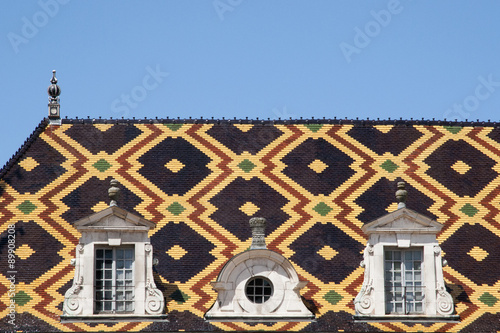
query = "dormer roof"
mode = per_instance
[
  {"x": 403, "y": 220},
  {"x": 113, "y": 218}
]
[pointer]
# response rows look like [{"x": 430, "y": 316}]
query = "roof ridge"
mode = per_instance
[
  {"x": 27, "y": 143},
  {"x": 308, "y": 121}
]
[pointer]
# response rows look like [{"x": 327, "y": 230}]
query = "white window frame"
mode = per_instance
[
  {"x": 401, "y": 290},
  {"x": 109, "y": 292}
]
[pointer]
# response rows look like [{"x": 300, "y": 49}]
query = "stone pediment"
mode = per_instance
[
  {"x": 113, "y": 218},
  {"x": 403, "y": 220}
]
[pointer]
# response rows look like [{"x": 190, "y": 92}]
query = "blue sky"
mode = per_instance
[{"x": 248, "y": 58}]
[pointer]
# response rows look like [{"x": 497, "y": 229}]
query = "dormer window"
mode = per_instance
[
  {"x": 113, "y": 269},
  {"x": 403, "y": 269},
  {"x": 258, "y": 285}
]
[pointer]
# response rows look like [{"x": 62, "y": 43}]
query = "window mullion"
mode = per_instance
[{"x": 113, "y": 283}]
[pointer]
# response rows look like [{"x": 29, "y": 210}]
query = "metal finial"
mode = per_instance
[
  {"x": 401, "y": 195},
  {"x": 53, "y": 89},
  {"x": 54, "y": 108},
  {"x": 258, "y": 226},
  {"x": 54, "y": 79},
  {"x": 113, "y": 192}
]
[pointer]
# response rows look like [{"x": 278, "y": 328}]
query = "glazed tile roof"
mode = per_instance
[{"x": 316, "y": 182}]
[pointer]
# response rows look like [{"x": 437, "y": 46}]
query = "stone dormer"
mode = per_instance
[
  {"x": 113, "y": 269},
  {"x": 258, "y": 285},
  {"x": 403, "y": 265}
]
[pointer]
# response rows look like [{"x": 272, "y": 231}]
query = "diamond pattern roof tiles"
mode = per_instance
[{"x": 315, "y": 210}]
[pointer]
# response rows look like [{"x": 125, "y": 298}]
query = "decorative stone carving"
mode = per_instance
[
  {"x": 113, "y": 192},
  {"x": 154, "y": 299},
  {"x": 363, "y": 303},
  {"x": 401, "y": 195},
  {"x": 258, "y": 226},
  {"x": 72, "y": 305},
  {"x": 444, "y": 301}
]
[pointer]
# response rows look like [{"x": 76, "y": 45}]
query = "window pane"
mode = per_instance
[
  {"x": 128, "y": 264},
  {"x": 119, "y": 254},
  {"x": 129, "y": 306},
  {"x": 120, "y": 306},
  {"x": 129, "y": 254},
  {"x": 419, "y": 307},
  {"x": 98, "y": 306},
  {"x": 403, "y": 278}
]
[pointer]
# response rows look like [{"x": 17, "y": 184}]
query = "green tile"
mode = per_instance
[
  {"x": 174, "y": 127},
  {"x": 179, "y": 296},
  {"x": 469, "y": 210},
  {"x": 22, "y": 298},
  {"x": 101, "y": 165},
  {"x": 333, "y": 297},
  {"x": 246, "y": 165},
  {"x": 453, "y": 129},
  {"x": 389, "y": 166},
  {"x": 176, "y": 208},
  {"x": 322, "y": 209},
  {"x": 314, "y": 127},
  {"x": 488, "y": 299},
  {"x": 26, "y": 207}
]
